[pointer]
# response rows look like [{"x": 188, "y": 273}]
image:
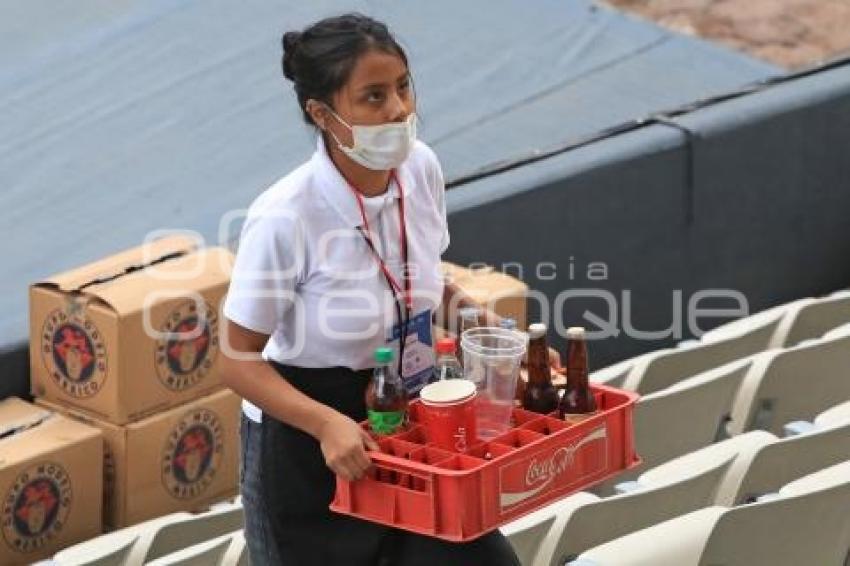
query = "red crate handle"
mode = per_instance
[{"x": 396, "y": 464}]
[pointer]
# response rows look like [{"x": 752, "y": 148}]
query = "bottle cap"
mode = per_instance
[
  {"x": 536, "y": 330},
  {"x": 446, "y": 346},
  {"x": 575, "y": 332},
  {"x": 383, "y": 355}
]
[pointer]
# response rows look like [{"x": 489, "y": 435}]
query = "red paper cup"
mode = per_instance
[{"x": 448, "y": 413}]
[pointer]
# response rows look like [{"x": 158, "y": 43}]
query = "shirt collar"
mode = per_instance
[{"x": 337, "y": 192}]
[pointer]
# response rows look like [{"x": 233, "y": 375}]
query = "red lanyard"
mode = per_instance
[{"x": 393, "y": 283}]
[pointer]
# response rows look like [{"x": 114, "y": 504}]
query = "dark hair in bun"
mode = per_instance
[
  {"x": 319, "y": 59},
  {"x": 290, "y": 44}
]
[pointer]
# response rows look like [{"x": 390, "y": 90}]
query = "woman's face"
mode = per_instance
[{"x": 378, "y": 91}]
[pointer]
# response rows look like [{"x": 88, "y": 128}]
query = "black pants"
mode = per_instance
[{"x": 286, "y": 489}]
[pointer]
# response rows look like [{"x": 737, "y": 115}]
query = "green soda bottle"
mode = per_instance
[{"x": 386, "y": 398}]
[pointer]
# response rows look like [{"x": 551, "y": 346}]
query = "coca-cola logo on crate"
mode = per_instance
[
  {"x": 525, "y": 479},
  {"x": 36, "y": 508}
]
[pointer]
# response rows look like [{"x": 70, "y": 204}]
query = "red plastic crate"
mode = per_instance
[{"x": 459, "y": 497}]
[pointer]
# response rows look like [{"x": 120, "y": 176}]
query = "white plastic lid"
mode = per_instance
[{"x": 447, "y": 391}]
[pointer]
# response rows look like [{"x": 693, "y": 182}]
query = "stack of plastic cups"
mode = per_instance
[{"x": 491, "y": 360}]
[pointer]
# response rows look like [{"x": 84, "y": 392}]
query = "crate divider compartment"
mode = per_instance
[
  {"x": 434, "y": 456},
  {"x": 545, "y": 425},
  {"x": 414, "y": 433},
  {"x": 407, "y": 451},
  {"x": 408, "y": 501},
  {"x": 398, "y": 447},
  {"x": 517, "y": 438},
  {"x": 494, "y": 450},
  {"x": 520, "y": 417},
  {"x": 462, "y": 462}
]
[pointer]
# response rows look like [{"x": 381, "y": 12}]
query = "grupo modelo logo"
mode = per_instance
[
  {"x": 192, "y": 454},
  {"x": 73, "y": 353},
  {"x": 181, "y": 363},
  {"x": 36, "y": 507}
]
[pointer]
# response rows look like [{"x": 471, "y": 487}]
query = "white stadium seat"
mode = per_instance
[
  {"x": 206, "y": 553},
  {"x": 842, "y": 330},
  {"x": 769, "y": 467},
  {"x": 777, "y": 531},
  {"x": 834, "y": 415},
  {"x": 812, "y": 318},
  {"x": 754, "y": 332},
  {"x": 112, "y": 549},
  {"x": 226, "y": 550},
  {"x": 667, "y": 367},
  {"x": 237, "y": 552},
  {"x": 688, "y": 415},
  {"x": 780, "y": 326},
  {"x": 177, "y": 535},
  {"x": 614, "y": 375},
  {"x": 528, "y": 533},
  {"x": 587, "y": 522},
  {"x": 782, "y": 386},
  {"x": 682, "y": 418},
  {"x": 762, "y": 462},
  {"x": 153, "y": 539}
]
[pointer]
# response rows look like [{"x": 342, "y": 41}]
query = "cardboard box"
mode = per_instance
[
  {"x": 505, "y": 295},
  {"x": 51, "y": 478},
  {"x": 180, "y": 460},
  {"x": 132, "y": 334}
]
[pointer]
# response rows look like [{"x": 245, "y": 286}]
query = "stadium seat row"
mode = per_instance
[{"x": 733, "y": 473}]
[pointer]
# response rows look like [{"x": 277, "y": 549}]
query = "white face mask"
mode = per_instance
[{"x": 381, "y": 147}]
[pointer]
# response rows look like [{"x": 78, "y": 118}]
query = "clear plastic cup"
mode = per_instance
[{"x": 491, "y": 359}]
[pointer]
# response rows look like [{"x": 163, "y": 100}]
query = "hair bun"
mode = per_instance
[{"x": 290, "y": 42}]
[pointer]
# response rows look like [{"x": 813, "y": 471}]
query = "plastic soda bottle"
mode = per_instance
[
  {"x": 447, "y": 366},
  {"x": 386, "y": 398}
]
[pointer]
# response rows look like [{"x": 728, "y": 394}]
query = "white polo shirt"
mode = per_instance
[{"x": 305, "y": 275}]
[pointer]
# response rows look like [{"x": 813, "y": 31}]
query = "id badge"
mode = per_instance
[{"x": 417, "y": 365}]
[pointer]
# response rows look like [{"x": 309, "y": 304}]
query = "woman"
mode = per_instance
[{"x": 337, "y": 258}]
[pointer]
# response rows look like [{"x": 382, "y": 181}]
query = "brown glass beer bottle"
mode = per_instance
[
  {"x": 540, "y": 395},
  {"x": 578, "y": 402},
  {"x": 386, "y": 398}
]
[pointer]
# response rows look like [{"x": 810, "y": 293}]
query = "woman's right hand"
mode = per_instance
[{"x": 344, "y": 445}]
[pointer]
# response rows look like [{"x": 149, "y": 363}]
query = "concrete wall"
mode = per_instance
[{"x": 757, "y": 201}]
